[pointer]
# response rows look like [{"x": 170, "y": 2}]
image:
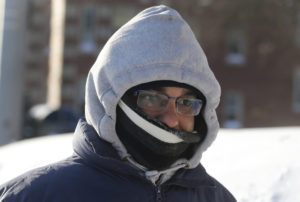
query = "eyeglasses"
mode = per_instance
[{"x": 158, "y": 102}]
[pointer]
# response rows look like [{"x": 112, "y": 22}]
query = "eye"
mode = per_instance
[
  {"x": 164, "y": 102},
  {"x": 187, "y": 102},
  {"x": 148, "y": 97}
]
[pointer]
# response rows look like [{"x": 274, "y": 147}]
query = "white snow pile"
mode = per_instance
[
  {"x": 256, "y": 165},
  {"x": 19, "y": 157}
]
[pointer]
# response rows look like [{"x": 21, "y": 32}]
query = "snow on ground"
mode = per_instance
[
  {"x": 19, "y": 157},
  {"x": 256, "y": 165}
]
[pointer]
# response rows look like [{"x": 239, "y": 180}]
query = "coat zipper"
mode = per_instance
[{"x": 158, "y": 194}]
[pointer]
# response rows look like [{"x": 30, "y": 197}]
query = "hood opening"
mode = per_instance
[
  {"x": 143, "y": 135},
  {"x": 200, "y": 125}
]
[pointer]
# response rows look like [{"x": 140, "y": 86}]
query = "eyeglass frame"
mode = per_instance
[{"x": 136, "y": 93}]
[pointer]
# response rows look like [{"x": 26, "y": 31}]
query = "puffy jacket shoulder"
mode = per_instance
[
  {"x": 197, "y": 185},
  {"x": 223, "y": 194},
  {"x": 37, "y": 184}
]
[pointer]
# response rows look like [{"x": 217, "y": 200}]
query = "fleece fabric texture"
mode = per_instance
[
  {"x": 155, "y": 45},
  {"x": 96, "y": 173}
]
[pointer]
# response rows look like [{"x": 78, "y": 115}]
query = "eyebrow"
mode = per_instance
[{"x": 190, "y": 92}]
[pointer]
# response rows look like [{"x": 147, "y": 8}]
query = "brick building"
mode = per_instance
[
  {"x": 37, "y": 45},
  {"x": 252, "y": 46}
]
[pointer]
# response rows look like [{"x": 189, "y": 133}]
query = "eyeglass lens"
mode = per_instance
[{"x": 158, "y": 102}]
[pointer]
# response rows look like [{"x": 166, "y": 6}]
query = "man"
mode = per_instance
[{"x": 150, "y": 114}]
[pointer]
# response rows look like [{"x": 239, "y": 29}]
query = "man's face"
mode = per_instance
[{"x": 169, "y": 115}]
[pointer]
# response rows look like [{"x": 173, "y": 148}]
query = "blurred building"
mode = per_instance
[
  {"x": 252, "y": 46},
  {"x": 37, "y": 51},
  {"x": 88, "y": 25}
]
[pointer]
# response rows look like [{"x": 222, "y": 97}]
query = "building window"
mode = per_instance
[
  {"x": 72, "y": 10},
  {"x": 233, "y": 110},
  {"x": 68, "y": 91},
  {"x": 236, "y": 48},
  {"x": 148, "y": 1},
  {"x": 105, "y": 11},
  {"x": 122, "y": 13},
  {"x": 89, "y": 23},
  {"x": 69, "y": 71},
  {"x": 296, "y": 91},
  {"x": 205, "y": 2}
]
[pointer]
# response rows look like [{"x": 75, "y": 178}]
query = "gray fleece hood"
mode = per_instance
[{"x": 155, "y": 45}]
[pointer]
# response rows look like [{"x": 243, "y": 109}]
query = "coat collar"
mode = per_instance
[
  {"x": 96, "y": 152},
  {"x": 193, "y": 178},
  {"x": 101, "y": 155}
]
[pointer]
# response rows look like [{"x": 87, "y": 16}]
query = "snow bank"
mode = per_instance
[
  {"x": 19, "y": 157},
  {"x": 256, "y": 165}
]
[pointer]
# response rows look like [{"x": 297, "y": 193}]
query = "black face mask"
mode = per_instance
[{"x": 148, "y": 150}]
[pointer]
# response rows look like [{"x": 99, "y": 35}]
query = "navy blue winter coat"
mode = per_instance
[{"x": 96, "y": 173}]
